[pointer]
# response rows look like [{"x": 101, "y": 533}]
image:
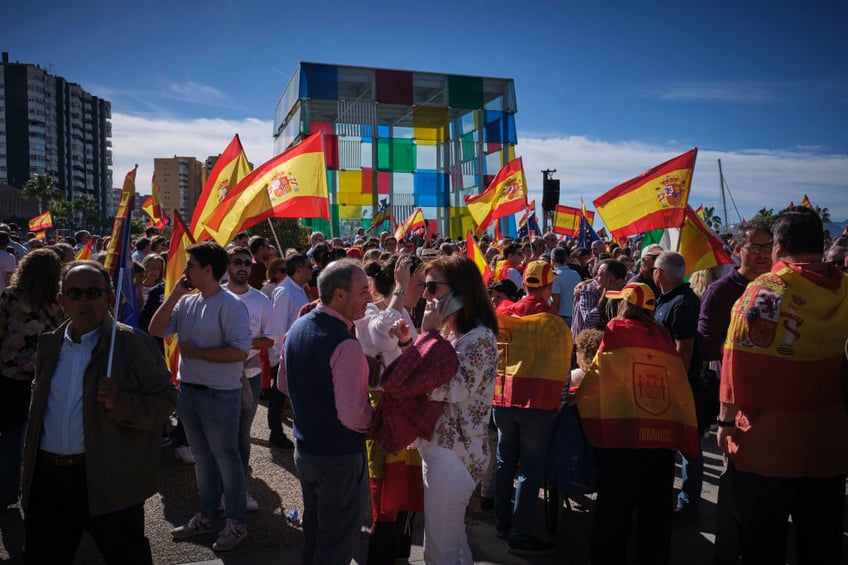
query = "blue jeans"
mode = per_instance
[
  {"x": 245, "y": 422},
  {"x": 335, "y": 497},
  {"x": 211, "y": 421},
  {"x": 692, "y": 473},
  {"x": 11, "y": 443},
  {"x": 524, "y": 435}
]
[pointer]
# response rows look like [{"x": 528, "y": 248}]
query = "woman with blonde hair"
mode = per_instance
[
  {"x": 28, "y": 307},
  {"x": 154, "y": 273}
]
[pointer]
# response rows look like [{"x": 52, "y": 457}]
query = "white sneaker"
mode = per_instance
[
  {"x": 250, "y": 503},
  {"x": 184, "y": 455},
  {"x": 196, "y": 526},
  {"x": 230, "y": 536}
]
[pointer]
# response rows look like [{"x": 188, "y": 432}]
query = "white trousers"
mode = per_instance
[{"x": 447, "y": 489}]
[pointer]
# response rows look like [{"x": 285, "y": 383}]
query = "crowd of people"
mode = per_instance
[{"x": 402, "y": 380}]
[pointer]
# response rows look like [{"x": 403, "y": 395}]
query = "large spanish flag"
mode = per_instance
[
  {"x": 229, "y": 169},
  {"x": 506, "y": 195},
  {"x": 291, "y": 185},
  {"x": 567, "y": 220},
  {"x": 413, "y": 222},
  {"x": 472, "y": 251},
  {"x": 125, "y": 207},
  {"x": 699, "y": 244},
  {"x": 655, "y": 199},
  {"x": 177, "y": 259},
  {"x": 636, "y": 394},
  {"x": 41, "y": 222}
]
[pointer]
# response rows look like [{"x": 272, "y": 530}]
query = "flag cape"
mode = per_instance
[
  {"x": 41, "y": 222},
  {"x": 177, "y": 259},
  {"x": 636, "y": 394},
  {"x": 122, "y": 218},
  {"x": 567, "y": 220},
  {"x": 413, "y": 222},
  {"x": 291, "y": 185},
  {"x": 655, "y": 199},
  {"x": 505, "y": 195},
  {"x": 84, "y": 254},
  {"x": 472, "y": 251},
  {"x": 229, "y": 169},
  {"x": 806, "y": 202}
]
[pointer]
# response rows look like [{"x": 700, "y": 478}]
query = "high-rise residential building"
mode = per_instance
[
  {"x": 180, "y": 180},
  {"x": 50, "y": 125},
  {"x": 415, "y": 139}
]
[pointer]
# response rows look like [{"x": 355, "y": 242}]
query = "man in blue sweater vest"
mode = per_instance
[{"x": 326, "y": 376}]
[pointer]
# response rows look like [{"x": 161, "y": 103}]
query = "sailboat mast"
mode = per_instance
[{"x": 723, "y": 197}]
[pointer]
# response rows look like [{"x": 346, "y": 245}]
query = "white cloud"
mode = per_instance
[{"x": 585, "y": 167}]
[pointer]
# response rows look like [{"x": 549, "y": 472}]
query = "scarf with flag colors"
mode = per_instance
[
  {"x": 41, "y": 222},
  {"x": 229, "y": 169},
  {"x": 636, "y": 394},
  {"x": 655, "y": 199},
  {"x": 530, "y": 376},
  {"x": 472, "y": 251},
  {"x": 177, "y": 258},
  {"x": 413, "y": 222},
  {"x": 782, "y": 361},
  {"x": 122, "y": 217},
  {"x": 505, "y": 195},
  {"x": 291, "y": 185}
]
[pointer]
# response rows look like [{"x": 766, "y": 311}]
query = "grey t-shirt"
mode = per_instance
[{"x": 219, "y": 321}]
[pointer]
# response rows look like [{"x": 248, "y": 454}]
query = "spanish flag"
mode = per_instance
[
  {"x": 41, "y": 222},
  {"x": 636, "y": 394},
  {"x": 413, "y": 222},
  {"x": 229, "y": 169},
  {"x": 567, "y": 220},
  {"x": 84, "y": 254},
  {"x": 655, "y": 199},
  {"x": 177, "y": 259},
  {"x": 472, "y": 251},
  {"x": 291, "y": 185},
  {"x": 806, "y": 202},
  {"x": 125, "y": 207},
  {"x": 700, "y": 246},
  {"x": 506, "y": 195},
  {"x": 153, "y": 207}
]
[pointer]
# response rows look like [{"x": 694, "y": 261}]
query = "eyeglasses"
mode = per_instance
[
  {"x": 241, "y": 262},
  {"x": 758, "y": 249},
  {"x": 433, "y": 286},
  {"x": 92, "y": 293}
]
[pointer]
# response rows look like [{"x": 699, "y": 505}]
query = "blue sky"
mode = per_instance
[{"x": 605, "y": 89}]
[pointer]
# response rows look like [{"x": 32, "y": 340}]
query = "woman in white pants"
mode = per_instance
[{"x": 456, "y": 456}]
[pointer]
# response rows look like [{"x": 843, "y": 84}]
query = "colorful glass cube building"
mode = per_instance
[{"x": 410, "y": 139}]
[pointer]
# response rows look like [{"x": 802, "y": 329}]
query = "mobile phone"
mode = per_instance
[{"x": 454, "y": 301}]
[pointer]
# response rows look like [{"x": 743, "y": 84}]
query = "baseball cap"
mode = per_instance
[
  {"x": 354, "y": 252},
  {"x": 538, "y": 274},
  {"x": 638, "y": 294},
  {"x": 652, "y": 250}
]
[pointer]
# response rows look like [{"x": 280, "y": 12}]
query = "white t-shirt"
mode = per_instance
[
  {"x": 261, "y": 324},
  {"x": 8, "y": 264}
]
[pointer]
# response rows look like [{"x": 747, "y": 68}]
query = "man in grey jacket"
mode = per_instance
[{"x": 91, "y": 453}]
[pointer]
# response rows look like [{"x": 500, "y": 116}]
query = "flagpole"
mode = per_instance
[
  {"x": 115, "y": 321},
  {"x": 276, "y": 239}
]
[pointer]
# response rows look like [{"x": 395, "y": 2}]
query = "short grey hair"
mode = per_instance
[
  {"x": 672, "y": 263},
  {"x": 337, "y": 274}
]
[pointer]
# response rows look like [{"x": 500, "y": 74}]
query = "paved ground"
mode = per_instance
[{"x": 272, "y": 541}]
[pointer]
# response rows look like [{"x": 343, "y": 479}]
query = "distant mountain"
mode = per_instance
[{"x": 836, "y": 228}]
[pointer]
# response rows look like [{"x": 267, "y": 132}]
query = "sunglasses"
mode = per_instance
[
  {"x": 91, "y": 293},
  {"x": 433, "y": 286},
  {"x": 241, "y": 262}
]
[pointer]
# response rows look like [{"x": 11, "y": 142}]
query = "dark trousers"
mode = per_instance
[
  {"x": 276, "y": 403},
  {"x": 58, "y": 513},
  {"x": 391, "y": 541},
  {"x": 627, "y": 480},
  {"x": 763, "y": 507}
]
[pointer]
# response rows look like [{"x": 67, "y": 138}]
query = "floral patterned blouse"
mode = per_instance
[
  {"x": 20, "y": 326},
  {"x": 463, "y": 425}
]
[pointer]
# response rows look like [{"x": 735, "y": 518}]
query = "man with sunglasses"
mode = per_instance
[
  {"x": 213, "y": 329},
  {"x": 262, "y": 331},
  {"x": 91, "y": 454}
]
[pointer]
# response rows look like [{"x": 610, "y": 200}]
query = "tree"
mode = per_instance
[
  {"x": 42, "y": 188},
  {"x": 765, "y": 216},
  {"x": 824, "y": 214},
  {"x": 63, "y": 213},
  {"x": 86, "y": 207},
  {"x": 711, "y": 219},
  {"x": 289, "y": 230}
]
